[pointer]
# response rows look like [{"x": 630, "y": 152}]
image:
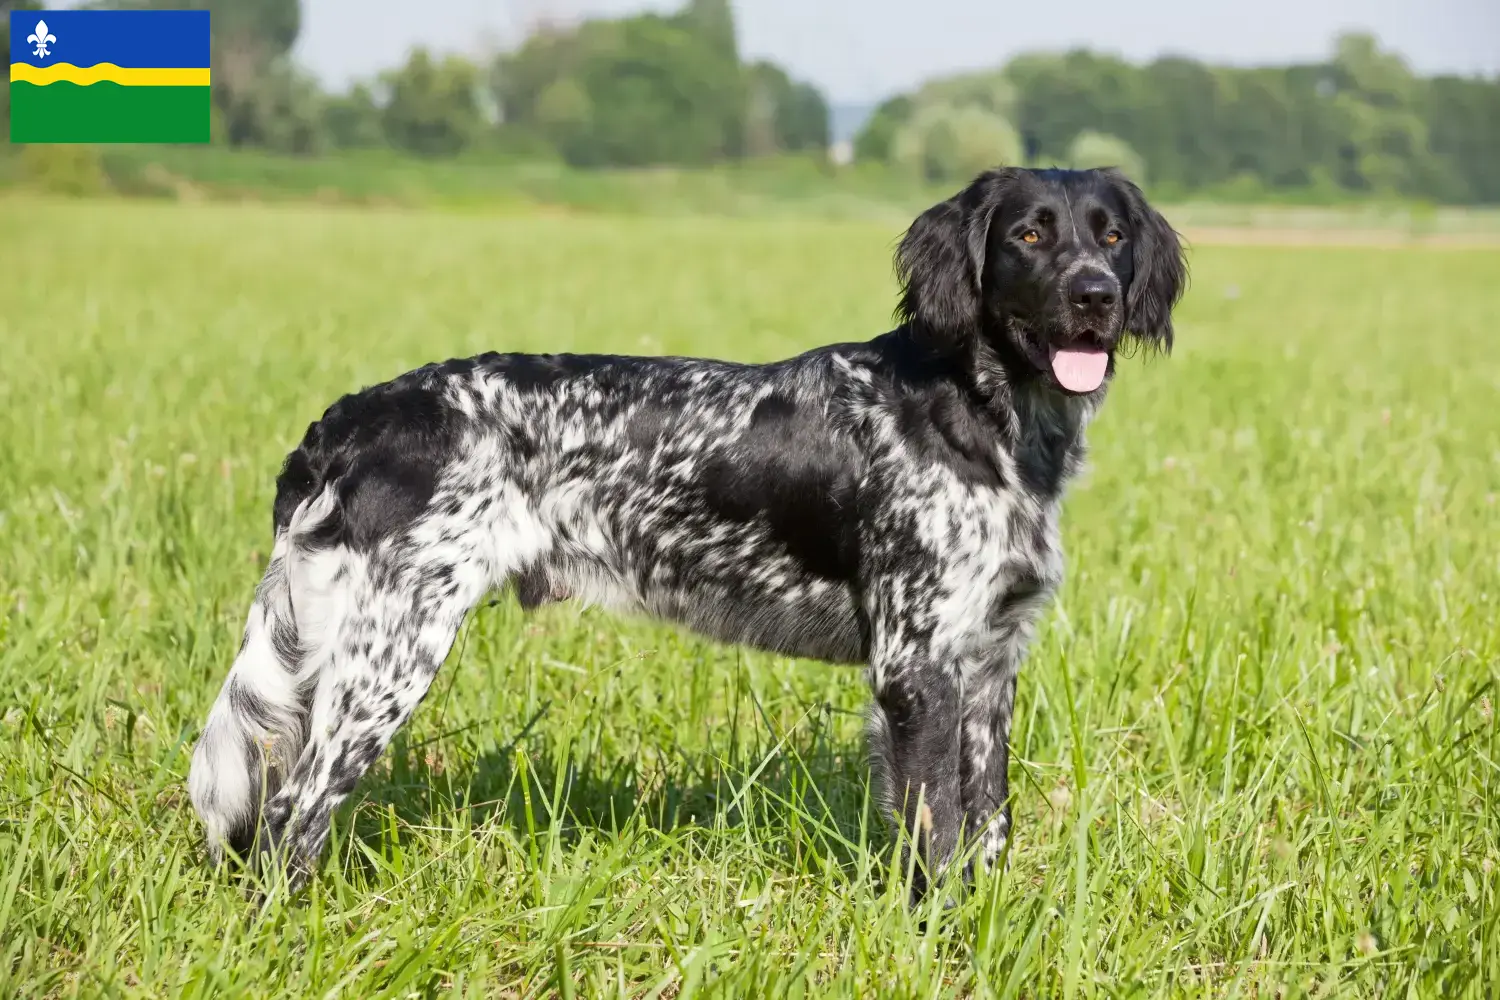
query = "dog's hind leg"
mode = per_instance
[{"x": 394, "y": 612}]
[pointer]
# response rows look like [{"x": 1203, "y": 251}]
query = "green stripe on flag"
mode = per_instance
[{"x": 108, "y": 112}]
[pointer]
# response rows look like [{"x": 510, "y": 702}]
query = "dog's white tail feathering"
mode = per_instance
[{"x": 257, "y": 727}]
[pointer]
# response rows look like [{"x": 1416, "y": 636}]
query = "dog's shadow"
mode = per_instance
[{"x": 809, "y": 780}]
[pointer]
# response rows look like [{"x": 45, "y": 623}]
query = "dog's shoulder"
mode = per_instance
[{"x": 919, "y": 406}]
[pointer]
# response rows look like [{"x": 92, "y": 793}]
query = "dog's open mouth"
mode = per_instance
[{"x": 1079, "y": 367}]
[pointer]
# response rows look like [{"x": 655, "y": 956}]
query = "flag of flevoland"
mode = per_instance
[{"x": 109, "y": 76}]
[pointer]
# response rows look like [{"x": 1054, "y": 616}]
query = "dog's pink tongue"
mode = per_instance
[{"x": 1079, "y": 370}]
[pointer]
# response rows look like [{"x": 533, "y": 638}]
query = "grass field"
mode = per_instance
[
  {"x": 790, "y": 187},
  {"x": 1256, "y": 747}
]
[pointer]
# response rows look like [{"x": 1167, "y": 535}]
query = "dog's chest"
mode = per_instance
[{"x": 996, "y": 558}]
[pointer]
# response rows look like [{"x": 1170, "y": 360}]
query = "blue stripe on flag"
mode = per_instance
[{"x": 136, "y": 39}]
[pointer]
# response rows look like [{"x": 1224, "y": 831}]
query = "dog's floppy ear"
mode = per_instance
[
  {"x": 940, "y": 264},
  {"x": 1160, "y": 269}
]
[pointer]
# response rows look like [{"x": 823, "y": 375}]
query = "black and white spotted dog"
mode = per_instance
[{"x": 892, "y": 503}]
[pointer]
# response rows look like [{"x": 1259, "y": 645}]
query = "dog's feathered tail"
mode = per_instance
[{"x": 258, "y": 724}]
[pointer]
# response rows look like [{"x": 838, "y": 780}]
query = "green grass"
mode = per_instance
[
  {"x": 798, "y": 187},
  {"x": 793, "y": 186},
  {"x": 1256, "y": 746}
]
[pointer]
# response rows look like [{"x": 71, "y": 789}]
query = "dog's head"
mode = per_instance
[{"x": 1053, "y": 269}]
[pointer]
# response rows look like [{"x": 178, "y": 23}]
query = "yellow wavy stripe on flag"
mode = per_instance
[{"x": 108, "y": 73}]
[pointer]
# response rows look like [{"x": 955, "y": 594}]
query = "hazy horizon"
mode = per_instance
[{"x": 861, "y": 51}]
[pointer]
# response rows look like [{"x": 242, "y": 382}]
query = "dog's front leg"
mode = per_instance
[
  {"x": 915, "y": 734},
  {"x": 989, "y": 703}
]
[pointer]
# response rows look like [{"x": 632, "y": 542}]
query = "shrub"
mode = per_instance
[
  {"x": 1096, "y": 149},
  {"x": 63, "y": 169},
  {"x": 946, "y": 143}
]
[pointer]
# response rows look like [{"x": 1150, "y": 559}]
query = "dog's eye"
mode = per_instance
[
  {"x": 1030, "y": 236},
  {"x": 1112, "y": 237}
]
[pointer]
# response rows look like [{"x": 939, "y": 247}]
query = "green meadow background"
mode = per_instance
[
  {"x": 1255, "y": 754},
  {"x": 1256, "y": 748}
]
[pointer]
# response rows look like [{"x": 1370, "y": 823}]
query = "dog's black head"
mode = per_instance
[{"x": 1052, "y": 269}]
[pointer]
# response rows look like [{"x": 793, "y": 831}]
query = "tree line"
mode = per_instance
[
  {"x": 633, "y": 91},
  {"x": 1360, "y": 122},
  {"x": 673, "y": 89}
]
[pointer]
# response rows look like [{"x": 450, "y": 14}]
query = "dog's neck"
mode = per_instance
[
  {"x": 1010, "y": 388},
  {"x": 1044, "y": 426}
]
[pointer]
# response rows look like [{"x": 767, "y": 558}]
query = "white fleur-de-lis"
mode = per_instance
[{"x": 41, "y": 38}]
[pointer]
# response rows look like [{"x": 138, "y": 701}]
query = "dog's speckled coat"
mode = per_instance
[{"x": 892, "y": 503}]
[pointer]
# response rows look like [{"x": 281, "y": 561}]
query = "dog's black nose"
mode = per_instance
[{"x": 1092, "y": 291}]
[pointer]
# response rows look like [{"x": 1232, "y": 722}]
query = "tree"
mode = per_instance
[
  {"x": 631, "y": 92},
  {"x": 1463, "y": 116},
  {"x": 713, "y": 22},
  {"x": 433, "y": 105},
  {"x": 1360, "y": 121},
  {"x": 989, "y": 92},
  {"x": 1376, "y": 95},
  {"x": 659, "y": 96},
  {"x": 520, "y": 78},
  {"x": 354, "y": 120},
  {"x": 1096, "y": 149},
  {"x": 946, "y": 143},
  {"x": 1257, "y": 133},
  {"x": 875, "y": 142},
  {"x": 282, "y": 111},
  {"x": 802, "y": 119},
  {"x": 1059, "y": 96},
  {"x": 252, "y": 76},
  {"x": 781, "y": 114},
  {"x": 654, "y": 89}
]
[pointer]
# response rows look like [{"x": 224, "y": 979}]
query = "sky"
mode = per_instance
[{"x": 860, "y": 51}]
